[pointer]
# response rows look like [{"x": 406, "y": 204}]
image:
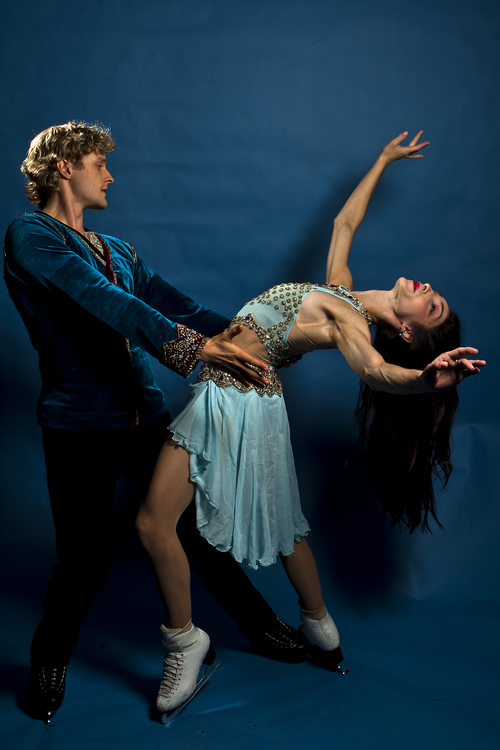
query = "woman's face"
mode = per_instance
[{"x": 419, "y": 303}]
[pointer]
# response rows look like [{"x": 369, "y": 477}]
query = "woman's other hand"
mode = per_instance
[{"x": 451, "y": 368}]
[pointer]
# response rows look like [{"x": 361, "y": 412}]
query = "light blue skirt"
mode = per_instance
[{"x": 241, "y": 462}]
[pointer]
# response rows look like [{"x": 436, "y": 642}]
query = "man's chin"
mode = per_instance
[{"x": 99, "y": 206}]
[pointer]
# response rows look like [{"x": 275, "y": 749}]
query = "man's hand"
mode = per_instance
[
  {"x": 451, "y": 368},
  {"x": 220, "y": 352}
]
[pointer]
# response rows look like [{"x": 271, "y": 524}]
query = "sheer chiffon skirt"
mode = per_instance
[{"x": 241, "y": 462}]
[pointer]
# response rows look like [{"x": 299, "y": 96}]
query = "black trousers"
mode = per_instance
[{"x": 82, "y": 471}]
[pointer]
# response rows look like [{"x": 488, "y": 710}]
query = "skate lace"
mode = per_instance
[
  {"x": 52, "y": 680},
  {"x": 172, "y": 673}
]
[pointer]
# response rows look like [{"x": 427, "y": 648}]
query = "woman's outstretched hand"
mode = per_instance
[
  {"x": 451, "y": 368},
  {"x": 394, "y": 150},
  {"x": 220, "y": 352}
]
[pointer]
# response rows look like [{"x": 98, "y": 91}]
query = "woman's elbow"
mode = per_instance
[
  {"x": 372, "y": 377},
  {"x": 344, "y": 223}
]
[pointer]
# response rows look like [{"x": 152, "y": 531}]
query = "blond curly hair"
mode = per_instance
[{"x": 70, "y": 141}]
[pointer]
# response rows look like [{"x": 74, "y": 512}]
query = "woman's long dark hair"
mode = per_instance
[{"x": 407, "y": 438}]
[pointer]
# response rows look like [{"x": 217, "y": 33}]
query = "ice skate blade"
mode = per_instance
[
  {"x": 168, "y": 716},
  {"x": 48, "y": 718}
]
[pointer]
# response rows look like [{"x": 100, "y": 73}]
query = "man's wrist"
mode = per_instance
[
  {"x": 202, "y": 356},
  {"x": 183, "y": 353}
]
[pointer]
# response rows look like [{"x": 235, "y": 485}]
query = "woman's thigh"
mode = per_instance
[{"x": 171, "y": 490}]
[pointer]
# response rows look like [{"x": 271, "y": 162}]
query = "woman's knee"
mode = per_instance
[
  {"x": 153, "y": 529},
  {"x": 145, "y": 525}
]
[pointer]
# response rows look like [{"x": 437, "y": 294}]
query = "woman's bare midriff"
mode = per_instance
[
  {"x": 250, "y": 343},
  {"x": 313, "y": 328}
]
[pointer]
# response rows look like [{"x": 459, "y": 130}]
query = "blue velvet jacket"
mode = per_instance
[{"x": 94, "y": 331}]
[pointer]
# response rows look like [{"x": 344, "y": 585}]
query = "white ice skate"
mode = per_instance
[
  {"x": 186, "y": 654},
  {"x": 324, "y": 641}
]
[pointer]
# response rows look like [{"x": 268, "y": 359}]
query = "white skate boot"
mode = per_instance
[
  {"x": 324, "y": 640},
  {"x": 186, "y": 653}
]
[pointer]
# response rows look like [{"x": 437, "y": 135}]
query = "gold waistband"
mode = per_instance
[{"x": 224, "y": 380}]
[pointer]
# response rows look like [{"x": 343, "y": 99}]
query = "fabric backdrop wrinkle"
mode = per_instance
[{"x": 241, "y": 129}]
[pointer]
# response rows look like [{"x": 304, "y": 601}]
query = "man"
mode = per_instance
[{"x": 94, "y": 313}]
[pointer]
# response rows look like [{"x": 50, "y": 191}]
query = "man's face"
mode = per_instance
[{"x": 89, "y": 181}]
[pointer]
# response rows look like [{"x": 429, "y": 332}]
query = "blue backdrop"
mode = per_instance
[{"x": 241, "y": 129}]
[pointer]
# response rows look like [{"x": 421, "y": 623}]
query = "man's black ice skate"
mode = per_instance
[
  {"x": 277, "y": 640},
  {"x": 46, "y": 692}
]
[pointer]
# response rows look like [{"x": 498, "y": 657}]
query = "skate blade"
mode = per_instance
[
  {"x": 168, "y": 716},
  {"x": 48, "y": 718}
]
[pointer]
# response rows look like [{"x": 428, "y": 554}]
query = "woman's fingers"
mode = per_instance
[
  {"x": 461, "y": 351},
  {"x": 415, "y": 146},
  {"x": 400, "y": 138},
  {"x": 415, "y": 139},
  {"x": 459, "y": 358},
  {"x": 409, "y": 151},
  {"x": 395, "y": 150},
  {"x": 470, "y": 365}
]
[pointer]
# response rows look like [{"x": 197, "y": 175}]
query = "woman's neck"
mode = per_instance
[{"x": 380, "y": 305}]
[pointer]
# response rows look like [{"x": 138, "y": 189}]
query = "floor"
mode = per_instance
[{"x": 422, "y": 674}]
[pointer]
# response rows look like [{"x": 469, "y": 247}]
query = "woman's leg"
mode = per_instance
[
  {"x": 315, "y": 622},
  {"x": 187, "y": 647},
  {"x": 169, "y": 495},
  {"x": 303, "y": 575}
]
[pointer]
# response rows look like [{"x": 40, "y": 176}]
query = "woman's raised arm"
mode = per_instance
[{"x": 352, "y": 214}]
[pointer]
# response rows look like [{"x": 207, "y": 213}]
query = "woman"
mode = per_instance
[{"x": 230, "y": 446}]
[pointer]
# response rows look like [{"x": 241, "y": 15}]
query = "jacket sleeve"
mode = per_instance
[
  {"x": 177, "y": 307},
  {"x": 38, "y": 255}
]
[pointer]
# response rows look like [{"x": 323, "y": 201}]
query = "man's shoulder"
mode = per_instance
[
  {"x": 36, "y": 223},
  {"x": 24, "y": 220},
  {"x": 25, "y": 227}
]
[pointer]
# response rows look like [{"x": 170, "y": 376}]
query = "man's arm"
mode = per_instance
[
  {"x": 218, "y": 351},
  {"x": 37, "y": 254},
  {"x": 152, "y": 289}
]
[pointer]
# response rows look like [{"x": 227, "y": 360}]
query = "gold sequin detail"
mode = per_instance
[
  {"x": 289, "y": 298},
  {"x": 224, "y": 380},
  {"x": 134, "y": 254},
  {"x": 181, "y": 354},
  {"x": 93, "y": 243}
]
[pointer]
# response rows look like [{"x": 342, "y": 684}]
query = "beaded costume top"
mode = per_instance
[{"x": 271, "y": 316}]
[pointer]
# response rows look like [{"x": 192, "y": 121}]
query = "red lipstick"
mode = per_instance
[{"x": 416, "y": 285}]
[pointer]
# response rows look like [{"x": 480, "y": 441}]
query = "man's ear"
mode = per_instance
[
  {"x": 406, "y": 334},
  {"x": 65, "y": 168}
]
